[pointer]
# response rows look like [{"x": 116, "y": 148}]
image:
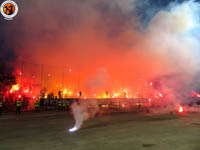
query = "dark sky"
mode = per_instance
[{"x": 12, "y": 31}]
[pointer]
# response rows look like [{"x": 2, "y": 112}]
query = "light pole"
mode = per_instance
[
  {"x": 41, "y": 76},
  {"x": 63, "y": 79},
  {"x": 22, "y": 67}
]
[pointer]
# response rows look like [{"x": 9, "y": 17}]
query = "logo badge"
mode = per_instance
[{"x": 9, "y": 9}]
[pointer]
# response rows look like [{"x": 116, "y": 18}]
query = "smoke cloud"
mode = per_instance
[
  {"x": 175, "y": 33},
  {"x": 113, "y": 35}
]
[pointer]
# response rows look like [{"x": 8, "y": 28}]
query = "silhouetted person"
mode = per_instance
[
  {"x": 36, "y": 106},
  {"x": 59, "y": 105},
  {"x": 18, "y": 110},
  {"x": 67, "y": 103},
  {"x": 64, "y": 104}
]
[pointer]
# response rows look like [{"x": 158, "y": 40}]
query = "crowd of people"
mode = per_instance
[{"x": 42, "y": 104}]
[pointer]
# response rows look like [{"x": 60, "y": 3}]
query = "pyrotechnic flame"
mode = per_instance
[
  {"x": 73, "y": 129},
  {"x": 180, "y": 109},
  {"x": 83, "y": 111},
  {"x": 15, "y": 87}
]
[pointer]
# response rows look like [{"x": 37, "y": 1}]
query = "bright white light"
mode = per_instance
[{"x": 73, "y": 129}]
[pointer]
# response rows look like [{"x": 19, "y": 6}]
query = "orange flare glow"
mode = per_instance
[{"x": 180, "y": 109}]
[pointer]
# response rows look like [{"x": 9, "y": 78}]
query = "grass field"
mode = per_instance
[{"x": 118, "y": 131}]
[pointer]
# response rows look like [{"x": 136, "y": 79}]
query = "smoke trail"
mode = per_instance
[{"x": 82, "y": 111}]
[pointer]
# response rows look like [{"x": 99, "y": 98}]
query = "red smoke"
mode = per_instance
[{"x": 106, "y": 48}]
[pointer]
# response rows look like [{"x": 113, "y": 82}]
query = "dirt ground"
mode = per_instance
[{"x": 117, "y": 131}]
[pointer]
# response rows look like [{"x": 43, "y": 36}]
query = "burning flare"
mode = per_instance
[
  {"x": 73, "y": 129},
  {"x": 83, "y": 111},
  {"x": 180, "y": 109}
]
